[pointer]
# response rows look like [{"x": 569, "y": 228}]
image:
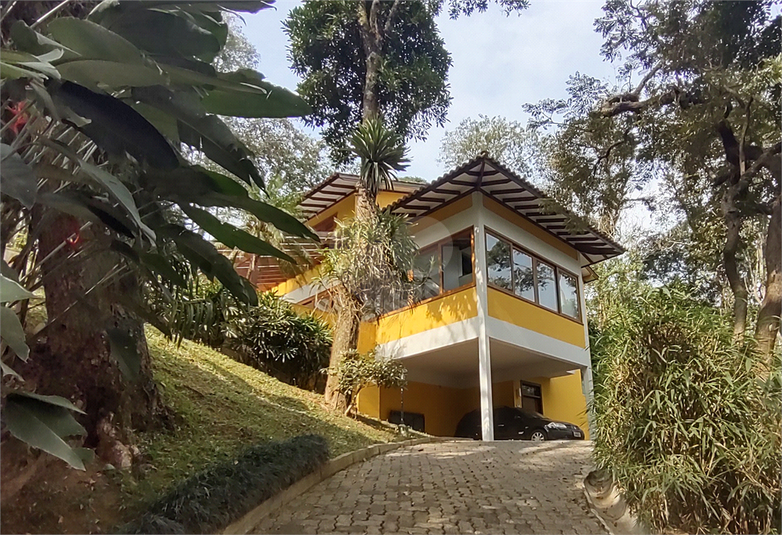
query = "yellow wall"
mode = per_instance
[
  {"x": 384, "y": 198},
  {"x": 564, "y": 400},
  {"x": 441, "y": 214},
  {"x": 441, "y": 406},
  {"x": 434, "y": 313},
  {"x": 523, "y": 314}
]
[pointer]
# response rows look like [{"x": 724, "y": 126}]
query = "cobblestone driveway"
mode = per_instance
[{"x": 450, "y": 487}]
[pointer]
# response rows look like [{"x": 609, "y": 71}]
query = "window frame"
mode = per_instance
[
  {"x": 469, "y": 231},
  {"x": 535, "y": 259}
]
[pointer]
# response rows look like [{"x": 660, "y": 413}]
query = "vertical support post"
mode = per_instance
[
  {"x": 484, "y": 353},
  {"x": 587, "y": 384}
]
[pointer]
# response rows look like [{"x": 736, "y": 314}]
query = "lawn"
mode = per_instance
[{"x": 218, "y": 406}]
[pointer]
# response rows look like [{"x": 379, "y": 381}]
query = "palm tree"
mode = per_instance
[{"x": 372, "y": 252}]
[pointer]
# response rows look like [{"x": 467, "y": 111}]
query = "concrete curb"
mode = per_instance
[
  {"x": 608, "y": 505},
  {"x": 250, "y": 520}
]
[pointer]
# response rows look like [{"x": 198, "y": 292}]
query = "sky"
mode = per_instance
[{"x": 499, "y": 62}]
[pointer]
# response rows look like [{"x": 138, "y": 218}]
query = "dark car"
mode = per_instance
[{"x": 512, "y": 423}]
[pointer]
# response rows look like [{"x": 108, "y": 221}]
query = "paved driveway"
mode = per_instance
[{"x": 450, "y": 487}]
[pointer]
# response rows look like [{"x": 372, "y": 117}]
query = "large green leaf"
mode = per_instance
[
  {"x": 201, "y": 131},
  {"x": 17, "y": 178},
  {"x": 93, "y": 41},
  {"x": 109, "y": 181},
  {"x": 11, "y": 291},
  {"x": 158, "y": 31},
  {"x": 263, "y": 211},
  {"x": 40, "y": 64},
  {"x": 12, "y": 333},
  {"x": 124, "y": 350},
  {"x": 211, "y": 136},
  {"x": 231, "y": 236},
  {"x": 116, "y": 127},
  {"x": 92, "y": 72},
  {"x": 28, "y": 40},
  {"x": 192, "y": 182},
  {"x": 277, "y": 102},
  {"x": 209, "y": 260},
  {"x": 162, "y": 267},
  {"x": 43, "y": 425}
]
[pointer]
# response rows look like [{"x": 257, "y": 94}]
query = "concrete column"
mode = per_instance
[
  {"x": 484, "y": 353},
  {"x": 587, "y": 387}
]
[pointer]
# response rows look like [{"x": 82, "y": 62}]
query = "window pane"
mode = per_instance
[
  {"x": 523, "y": 281},
  {"x": 498, "y": 262},
  {"x": 457, "y": 263},
  {"x": 547, "y": 288},
  {"x": 568, "y": 294},
  {"x": 426, "y": 274}
]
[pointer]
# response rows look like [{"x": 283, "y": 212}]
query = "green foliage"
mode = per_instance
[
  {"x": 382, "y": 153},
  {"x": 326, "y": 51},
  {"x": 358, "y": 370},
  {"x": 508, "y": 142},
  {"x": 44, "y": 422},
  {"x": 372, "y": 260},
  {"x": 686, "y": 421},
  {"x": 276, "y": 339},
  {"x": 223, "y": 492}
]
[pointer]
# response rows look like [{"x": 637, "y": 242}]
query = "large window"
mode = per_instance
[
  {"x": 442, "y": 267},
  {"x": 498, "y": 262},
  {"x": 514, "y": 270}
]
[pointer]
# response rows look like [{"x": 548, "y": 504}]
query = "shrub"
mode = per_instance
[
  {"x": 274, "y": 338},
  {"x": 213, "y": 498},
  {"x": 358, "y": 370},
  {"x": 687, "y": 422}
]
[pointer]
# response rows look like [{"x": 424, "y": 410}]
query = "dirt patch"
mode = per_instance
[{"x": 57, "y": 498}]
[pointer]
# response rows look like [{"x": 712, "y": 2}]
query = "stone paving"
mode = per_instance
[{"x": 450, "y": 487}]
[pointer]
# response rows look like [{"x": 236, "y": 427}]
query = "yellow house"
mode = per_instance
[{"x": 501, "y": 318}]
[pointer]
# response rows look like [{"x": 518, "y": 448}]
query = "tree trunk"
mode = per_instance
[
  {"x": 733, "y": 222},
  {"x": 768, "y": 317},
  {"x": 372, "y": 42},
  {"x": 345, "y": 340},
  {"x": 75, "y": 360}
]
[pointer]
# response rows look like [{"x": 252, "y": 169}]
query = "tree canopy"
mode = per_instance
[{"x": 358, "y": 59}]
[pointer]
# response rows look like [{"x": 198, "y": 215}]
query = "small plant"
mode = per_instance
[{"x": 358, "y": 370}]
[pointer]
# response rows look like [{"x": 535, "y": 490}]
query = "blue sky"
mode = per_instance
[{"x": 499, "y": 62}]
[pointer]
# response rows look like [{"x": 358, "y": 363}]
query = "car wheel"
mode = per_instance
[{"x": 537, "y": 436}]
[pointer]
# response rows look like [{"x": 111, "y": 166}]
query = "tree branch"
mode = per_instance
[{"x": 391, "y": 16}]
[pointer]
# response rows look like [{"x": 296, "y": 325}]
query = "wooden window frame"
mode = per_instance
[
  {"x": 522, "y": 384},
  {"x": 535, "y": 259}
]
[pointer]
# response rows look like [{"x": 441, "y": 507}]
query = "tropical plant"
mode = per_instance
[
  {"x": 356, "y": 371},
  {"x": 382, "y": 154},
  {"x": 276, "y": 339},
  {"x": 367, "y": 273},
  {"x": 366, "y": 59},
  {"x": 682, "y": 421},
  {"x": 95, "y": 111}
]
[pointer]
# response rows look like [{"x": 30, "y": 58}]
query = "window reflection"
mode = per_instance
[
  {"x": 568, "y": 295},
  {"x": 523, "y": 278},
  {"x": 426, "y": 274},
  {"x": 547, "y": 289},
  {"x": 498, "y": 262},
  {"x": 457, "y": 263}
]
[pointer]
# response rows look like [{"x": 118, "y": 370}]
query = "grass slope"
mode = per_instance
[{"x": 219, "y": 407}]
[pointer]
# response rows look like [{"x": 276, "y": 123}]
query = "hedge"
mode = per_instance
[{"x": 223, "y": 492}]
